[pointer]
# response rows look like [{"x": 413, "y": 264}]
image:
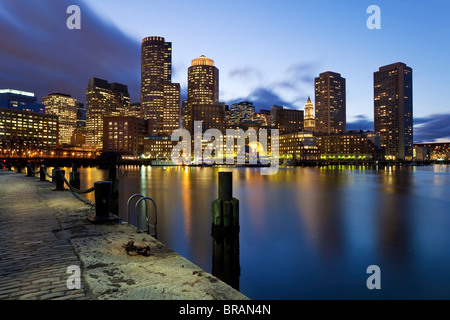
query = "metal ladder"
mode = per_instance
[{"x": 143, "y": 198}]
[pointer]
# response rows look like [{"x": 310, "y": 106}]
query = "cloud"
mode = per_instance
[
  {"x": 39, "y": 54},
  {"x": 291, "y": 91},
  {"x": 246, "y": 74},
  {"x": 432, "y": 128},
  {"x": 264, "y": 98},
  {"x": 361, "y": 123},
  {"x": 303, "y": 73}
]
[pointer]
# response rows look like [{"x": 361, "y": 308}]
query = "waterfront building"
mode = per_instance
[
  {"x": 393, "y": 109},
  {"x": 433, "y": 151},
  {"x": 351, "y": 145},
  {"x": 330, "y": 100},
  {"x": 299, "y": 146},
  {"x": 125, "y": 135},
  {"x": 20, "y": 100},
  {"x": 65, "y": 108},
  {"x": 103, "y": 100},
  {"x": 27, "y": 134},
  {"x": 158, "y": 148}
]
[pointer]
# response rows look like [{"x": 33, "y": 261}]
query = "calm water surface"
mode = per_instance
[{"x": 310, "y": 233}]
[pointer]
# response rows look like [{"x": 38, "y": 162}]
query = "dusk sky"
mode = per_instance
[{"x": 268, "y": 52}]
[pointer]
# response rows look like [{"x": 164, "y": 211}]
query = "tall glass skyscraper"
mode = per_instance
[
  {"x": 330, "y": 103},
  {"x": 393, "y": 109}
]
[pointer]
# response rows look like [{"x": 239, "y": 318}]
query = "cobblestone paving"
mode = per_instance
[{"x": 33, "y": 261}]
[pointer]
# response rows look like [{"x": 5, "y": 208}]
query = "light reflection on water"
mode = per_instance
[{"x": 310, "y": 233}]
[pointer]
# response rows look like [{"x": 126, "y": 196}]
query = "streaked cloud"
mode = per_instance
[{"x": 39, "y": 54}]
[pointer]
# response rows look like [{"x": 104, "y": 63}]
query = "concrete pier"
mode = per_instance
[{"x": 42, "y": 233}]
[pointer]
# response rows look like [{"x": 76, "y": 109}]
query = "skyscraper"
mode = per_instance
[
  {"x": 65, "y": 107},
  {"x": 310, "y": 119},
  {"x": 330, "y": 103},
  {"x": 203, "y": 82},
  {"x": 203, "y": 89},
  {"x": 393, "y": 108},
  {"x": 160, "y": 98},
  {"x": 103, "y": 100},
  {"x": 171, "y": 108}
]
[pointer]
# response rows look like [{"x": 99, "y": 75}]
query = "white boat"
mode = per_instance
[{"x": 163, "y": 163}]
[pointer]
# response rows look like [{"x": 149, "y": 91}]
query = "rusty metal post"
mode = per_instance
[{"x": 103, "y": 191}]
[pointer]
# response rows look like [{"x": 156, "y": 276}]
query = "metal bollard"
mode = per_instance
[
  {"x": 103, "y": 192},
  {"x": 42, "y": 174},
  {"x": 59, "y": 180},
  {"x": 30, "y": 170},
  {"x": 112, "y": 172},
  {"x": 74, "y": 179}
]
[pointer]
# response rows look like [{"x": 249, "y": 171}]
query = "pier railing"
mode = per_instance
[{"x": 106, "y": 195}]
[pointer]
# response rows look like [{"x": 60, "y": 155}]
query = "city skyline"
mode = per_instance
[{"x": 99, "y": 19}]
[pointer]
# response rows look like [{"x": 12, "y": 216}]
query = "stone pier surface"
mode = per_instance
[{"x": 43, "y": 232}]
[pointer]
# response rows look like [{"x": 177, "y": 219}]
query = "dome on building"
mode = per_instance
[{"x": 203, "y": 61}]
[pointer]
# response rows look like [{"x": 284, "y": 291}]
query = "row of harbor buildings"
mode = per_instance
[{"x": 109, "y": 122}]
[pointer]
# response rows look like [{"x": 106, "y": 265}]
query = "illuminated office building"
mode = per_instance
[
  {"x": 160, "y": 98},
  {"x": 330, "y": 91},
  {"x": 27, "y": 134},
  {"x": 241, "y": 112},
  {"x": 287, "y": 120},
  {"x": 203, "y": 82},
  {"x": 262, "y": 117},
  {"x": 171, "y": 109},
  {"x": 125, "y": 135},
  {"x": 103, "y": 100},
  {"x": 65, "y": 108},
  {"x": 203, "y": 96},
  {"x": 299, "y": 146},
  {"x": 212, "y": 116},
  {"x": 159, "y": 147},
  {"x": 393, "y": 108},
  {"x": 351, "y": 145},
  {"x": 310, "y": 119},
  {"x": 20, "y": 100},
  {"x": 433, "y": 151}
]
